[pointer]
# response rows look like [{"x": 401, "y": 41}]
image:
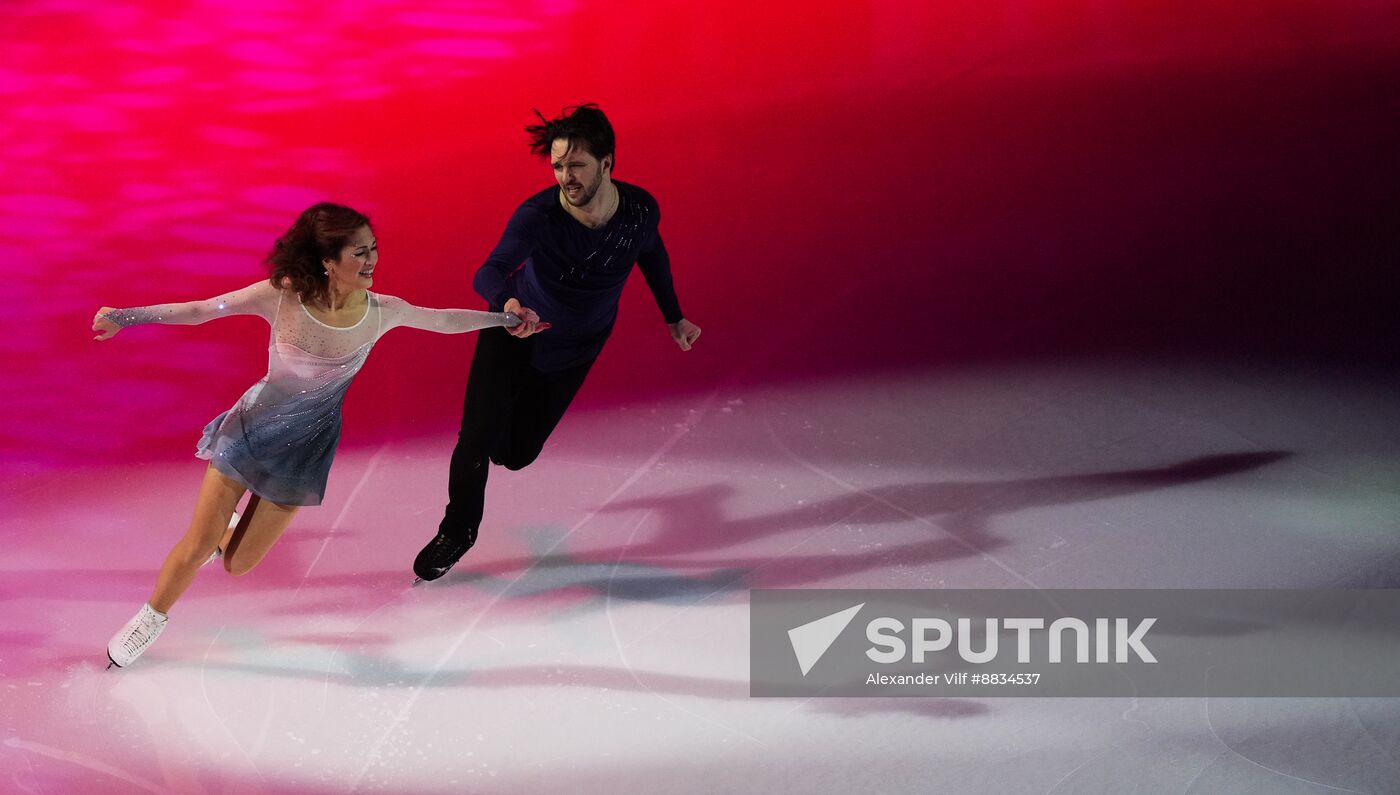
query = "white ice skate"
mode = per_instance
[
  {"x": 218, "y": 551},
  {"x": 137, "y": 636}
]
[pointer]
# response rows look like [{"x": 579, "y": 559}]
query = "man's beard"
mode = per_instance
[{"x": 586, "y": 195}]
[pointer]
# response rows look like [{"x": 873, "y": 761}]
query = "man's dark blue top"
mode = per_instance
[{"x": 573, "y": 276}]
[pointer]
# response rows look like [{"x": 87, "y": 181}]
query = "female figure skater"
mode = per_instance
[{"x": 279, "y": 438}]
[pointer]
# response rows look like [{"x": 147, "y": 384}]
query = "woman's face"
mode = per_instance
[{"x": 355, "y": 267}]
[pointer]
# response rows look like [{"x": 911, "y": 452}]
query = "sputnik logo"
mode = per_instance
[{"x": 811, "y": 640}]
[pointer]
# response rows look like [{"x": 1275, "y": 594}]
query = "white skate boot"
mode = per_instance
[{"x": 134, "y": 638}]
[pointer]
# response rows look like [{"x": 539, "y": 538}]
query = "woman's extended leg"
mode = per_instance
[
  {"x": 244, "y": 545},
  {"x": 218, "y": 496}
]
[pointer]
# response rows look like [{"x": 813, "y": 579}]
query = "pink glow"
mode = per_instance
[{"x": 878, "y": 212}]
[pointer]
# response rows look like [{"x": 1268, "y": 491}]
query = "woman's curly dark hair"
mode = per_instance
[
  {"x": 583, "y": 124},
  {"x": 319, "y": 233}
]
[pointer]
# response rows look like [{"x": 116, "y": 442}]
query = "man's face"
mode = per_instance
[{"x": 580, "y": 174}]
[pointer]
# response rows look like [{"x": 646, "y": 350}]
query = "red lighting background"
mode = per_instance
[{"x": 845, "y": 186}]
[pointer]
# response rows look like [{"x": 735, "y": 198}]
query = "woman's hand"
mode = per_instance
[
  {"x": 530, "y": 322},
  {"x": 105, "y": 328}
]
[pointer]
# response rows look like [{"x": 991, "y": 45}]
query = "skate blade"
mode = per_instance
[{"x": 417, "y": 579}]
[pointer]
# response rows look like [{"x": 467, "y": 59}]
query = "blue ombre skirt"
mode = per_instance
[{"x": 278, "y": 446}]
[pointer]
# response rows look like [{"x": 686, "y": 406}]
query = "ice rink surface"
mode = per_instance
[{"x": 596, "y": 639}]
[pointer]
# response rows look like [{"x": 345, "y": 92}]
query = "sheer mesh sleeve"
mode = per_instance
[
  {"x": 256, "y": 299},
  {"x": 398, "y": 312}
]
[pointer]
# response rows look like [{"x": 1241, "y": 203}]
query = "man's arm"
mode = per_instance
[
  {"x": 492, "y": 280},
  {"x": 656, "y": 268}
]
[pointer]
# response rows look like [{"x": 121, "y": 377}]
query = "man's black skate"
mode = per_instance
[{"x": 441, "y": 554}]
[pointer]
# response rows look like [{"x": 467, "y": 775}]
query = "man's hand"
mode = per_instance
[
  {"x": 530, "y": 322},
  {"x": 105, "y": 328},
  {"x": 684, "y": 333}
]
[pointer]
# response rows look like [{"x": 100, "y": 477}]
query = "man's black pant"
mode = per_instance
[{"x": 508, "y": 413}]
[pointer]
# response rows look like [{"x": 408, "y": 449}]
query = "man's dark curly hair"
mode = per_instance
[{"x": 579, "y": 124}]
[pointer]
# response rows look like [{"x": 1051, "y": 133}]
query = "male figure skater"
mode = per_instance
[{"x": 560, "y": 266}]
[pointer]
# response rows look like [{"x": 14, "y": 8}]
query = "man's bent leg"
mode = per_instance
[{"x": 540, "y": 408}]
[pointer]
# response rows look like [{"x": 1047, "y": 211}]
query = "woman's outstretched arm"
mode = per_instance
[
  {"x": 398, "y": 312},
  {"x": 256, "y": 299}
]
